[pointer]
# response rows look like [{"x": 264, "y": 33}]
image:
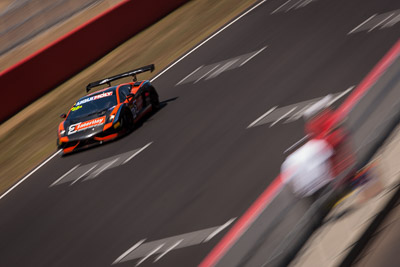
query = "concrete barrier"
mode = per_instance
[{"x": 39, "y": 73}]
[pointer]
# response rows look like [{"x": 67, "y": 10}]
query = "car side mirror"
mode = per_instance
[{"x": 63, "y": 116}]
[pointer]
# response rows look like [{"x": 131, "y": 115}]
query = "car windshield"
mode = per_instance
[{"x": 93, "y": 104}]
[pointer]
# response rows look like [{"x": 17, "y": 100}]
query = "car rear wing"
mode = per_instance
[{"x": 120, "y": 76}]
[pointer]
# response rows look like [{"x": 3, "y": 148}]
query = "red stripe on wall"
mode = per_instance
[{"x": 240, "y": 227}]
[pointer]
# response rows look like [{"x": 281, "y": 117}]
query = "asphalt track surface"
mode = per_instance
[{"x": 204, "y": 166}]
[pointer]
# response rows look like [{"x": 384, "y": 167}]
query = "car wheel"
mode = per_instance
[{"x": 127, "y": 121}]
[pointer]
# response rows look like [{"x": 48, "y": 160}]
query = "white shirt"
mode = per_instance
[{"x": 308, "y": 168}]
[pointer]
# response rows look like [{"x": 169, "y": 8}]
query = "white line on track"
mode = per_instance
[
  {"x": 296, "y": 144},
  {"x": 341, "y": 95},
  {"x": 105, "y": 167},
  {"x": 150, "y": 254},
  {"x": 388, "y": 17},
  {"x": 298, "y": 114},
  {"x": 129, "y": 251},
  {"x": 65, "y": 174},
  {"x": 356, "y": 28},
  {"x": 391, "y": 22},
  {"x": 305, "y": 3},
  {"x": 190, "y": 74},
  {"x": 282, "y": 117},
  {"x": 276, "y": 10},
  {"x": 208, "y": 39},
  {"x": 261, "y": 117},
  {"x": 29, "y": 174},
  {"x": 295, "y": 5},
  {"x": 222, "y": 69},
  {"x": 168, "y": 250},
  {"x": 252, "y": 56},
  {"x": 219, "y": 229},
  {"x": 137, "y": 152},
  {"x": 208, "y": 72},
  {"x": 77, "y": 179}
]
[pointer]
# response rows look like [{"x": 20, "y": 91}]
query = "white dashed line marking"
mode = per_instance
[
  {"x": 380, "y": 23},
  {"x": 295, "y": 144},
  {"x": 359, "y": 26},
  {"x": 94, "y": 169},
  {"x": 144, "y": 251},
  {"x": 190, "y": 74},
  {"x": 168, "y": 250},
  {"x": 298, "y": 114},
  {"x": 341, "y": 95},
  {"x": 213, "y": 70},
  {"x": 208, "y": 39},
  {"x": 262, "y": 117},
  {"x": 129, "y": 251},
  {"x": 276, "y": 10},
  {"x": 255, "y": 54},
  {"x": 392, "y": 22},
  {"x": 275, "y": 114},
  {"x": 305, "y": 2},
  {"x": 102, "y": 169},
  {"x": 136, "y": 153},
  {"x": 219, "y": 229},
  {"x": 222, "y": 69},
  {"x": 208, "y": 72},
  {"x": 83, "y": 175},
  {"x": 282, "y": 117},
  {"x": 150, "y": 254},
  {"x": 297, "y": 3},
  {"x": 62, "y": 177}
]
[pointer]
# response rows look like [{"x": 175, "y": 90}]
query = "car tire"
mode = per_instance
[{"x": 127, "y": 121}]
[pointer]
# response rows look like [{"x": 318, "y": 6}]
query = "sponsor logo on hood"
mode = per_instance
[{"x": 77, "y": 127}]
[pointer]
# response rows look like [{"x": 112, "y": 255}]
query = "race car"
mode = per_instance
[{"x": 108, "y": 113}]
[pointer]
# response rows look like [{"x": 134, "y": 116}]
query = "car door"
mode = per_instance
[{"x": 123, "y": 92}]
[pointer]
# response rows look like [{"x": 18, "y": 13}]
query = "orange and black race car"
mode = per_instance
[{"x": 108, "y": 113}]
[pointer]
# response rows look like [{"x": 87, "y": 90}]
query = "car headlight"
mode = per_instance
[
  {"x": 111, "y": 118},
  {"x": 62, "y": 132}
]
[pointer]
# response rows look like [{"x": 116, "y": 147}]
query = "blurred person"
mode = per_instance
[
  {"x": 326, "y": 154},
  {"x": 308, "y": 169}
]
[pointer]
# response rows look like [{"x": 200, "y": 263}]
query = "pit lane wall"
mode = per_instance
[{"x": 39, "y": 73}]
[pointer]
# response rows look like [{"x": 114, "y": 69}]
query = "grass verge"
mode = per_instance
[{"x": 30, "y": 136}]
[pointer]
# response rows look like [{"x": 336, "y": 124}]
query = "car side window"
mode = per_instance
[{"x": 124, "y": 90}]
